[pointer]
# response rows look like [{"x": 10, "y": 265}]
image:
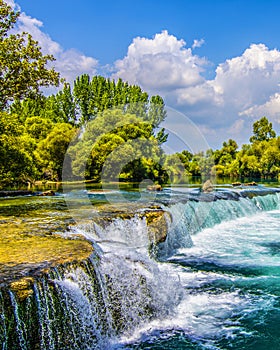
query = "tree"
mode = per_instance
[
  {"x": 23, "y": 67},
  {"x": 117, "y": 139},
  {"x": 157, "y": 112},
  {"x": 92, "y": 96},
  {"x": 65, "y": 102},
  {"x": 262, "y": 130},
  {"x": 37, "y": 127},
  {"x": 51, "y": 151},
  {"x": 15, "y": 162},
  {"x": 83, "y": 97}
]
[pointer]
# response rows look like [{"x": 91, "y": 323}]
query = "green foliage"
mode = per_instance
[
  {"x": 114, "y": 133},
  {"x": 16, "y": 163},
  {"x": 156, "y": 113},
  {"x": 161, "y": 136},
  {"x": 259, "y": 159},
  {"x": 23, "y": 67},
  {"x": 99, "y": 94},
  {"x": 262, "y": 130},
  {"x": 66, "y": 106},
  {"x": 36, "y": 132},
  {"x": 117, "y": 144},
  {"x": 7, "y": 18},
  {"x": 37, "y": 127},
  {"x": 50, "y": 152}
]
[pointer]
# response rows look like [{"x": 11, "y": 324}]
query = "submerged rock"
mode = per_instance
[{"x": 253, "y": 183}]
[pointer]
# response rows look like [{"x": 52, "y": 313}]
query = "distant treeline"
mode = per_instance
[
  {"x": 258, "y": 159},
  {"x": 35, "y": 134}
]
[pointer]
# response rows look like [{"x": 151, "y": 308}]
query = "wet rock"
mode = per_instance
[
  {"x": 23, "y": 287},
  {"x": 253, "y": 183},
  {"x": 156, "y": 218},
  {"x": 235, "y": 184},
  {"x": 154, "y": 188},
  {"x": 207, "y": 186},
  {"x": 157, "y": 226},
  {"x": 47, "y": 193}
]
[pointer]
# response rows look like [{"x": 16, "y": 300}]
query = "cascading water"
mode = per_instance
[
  {"x": 86, "y": 306},
  {"x": 194, "y": 216},
  {"x": 216, "y": 271}
]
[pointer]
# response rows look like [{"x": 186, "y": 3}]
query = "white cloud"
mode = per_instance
[
  {"x": 237, "y": 127},
  {"x": 248, "y": 79},
  {"x": 197, "y": 43},
  {"x": 34, "y": 27},
  {"x": 70, "y": 63},
  {"x": 247, "y": 85},
  {"x": 270, "y": 108},
  {"x": 162, "y": 63}
]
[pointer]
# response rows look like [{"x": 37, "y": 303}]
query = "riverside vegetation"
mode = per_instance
[{"x": 35, "y": 130}]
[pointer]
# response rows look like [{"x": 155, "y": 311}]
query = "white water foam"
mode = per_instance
[
  {"x": 242, "y": 241},
  {"x": 213, "y": 313}
]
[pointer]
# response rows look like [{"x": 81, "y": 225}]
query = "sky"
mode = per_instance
[{"x": 216, "y": 63}]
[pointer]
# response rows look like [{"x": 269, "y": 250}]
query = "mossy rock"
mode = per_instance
[
  {"x": 207, "y": 186},
  {"x": 157, "y": 225},
  {"x": 154, "y": 188},
  {"x": 23, "y": 287},
  {"x": 25, "y": 251}
]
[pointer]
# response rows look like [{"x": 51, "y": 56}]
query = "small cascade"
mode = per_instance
[
  {"x": 192, "y": 216},
  {"x": 268, "y": 202},
  {"x": 131, "y": 233},
  {"x": 88, "y": 305}
]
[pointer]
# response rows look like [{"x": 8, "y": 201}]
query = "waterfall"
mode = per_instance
[
  {"x": 87, "y": 305},
  {"x": 193, "y": 216},
  {"x": 122, "y": 286},
  {"x": 268, "y": 202}
]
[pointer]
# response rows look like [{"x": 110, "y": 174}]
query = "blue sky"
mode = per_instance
[
  {"x": 217, "y": 62},
  {"x": 104, "y": 29}
]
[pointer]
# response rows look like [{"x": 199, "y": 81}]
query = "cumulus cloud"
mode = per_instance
[
  {"x": 237, "y": 127},
  {"x": 34, "y": 27},
  {"x": 270, "y": 108},
  {"x": 248, "y": 79},
  {"x": 244, "y": 86},
  {"x": 162, "y": 63},
  {"x": 70, "y": 63}
]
